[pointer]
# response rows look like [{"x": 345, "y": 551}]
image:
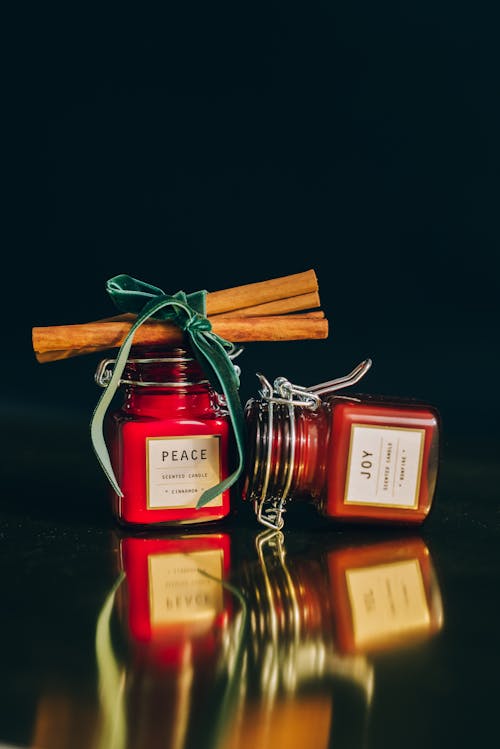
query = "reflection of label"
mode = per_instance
[
  {"x": 387, "y": 600},
  {"x": 180, "y": 469},
  {"x": 384, "y": 466},
  {"x": 185, "y": 587}
]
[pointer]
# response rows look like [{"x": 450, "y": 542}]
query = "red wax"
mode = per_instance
[{"x": 169, "y": 443}]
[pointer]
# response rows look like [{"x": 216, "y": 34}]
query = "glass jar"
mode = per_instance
[
  {"x": 168, "y": 441},
  {"x": 361, "y": 458}
]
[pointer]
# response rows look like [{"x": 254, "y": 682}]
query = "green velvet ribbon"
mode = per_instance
[{"x": 188, "y": 312}]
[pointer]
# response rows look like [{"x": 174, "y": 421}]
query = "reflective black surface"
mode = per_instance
[{"x": 228, "y": 636}]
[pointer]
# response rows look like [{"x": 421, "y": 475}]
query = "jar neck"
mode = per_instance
[
  {"x": 174, "y": 368},
  {"x": 287, "y": 449},
  {"x": 165, "y": 380}
]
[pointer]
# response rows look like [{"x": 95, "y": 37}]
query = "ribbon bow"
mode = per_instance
[{"x": 188, "y": 312}]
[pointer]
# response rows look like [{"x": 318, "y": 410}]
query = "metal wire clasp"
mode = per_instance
[
  {"x": 270, "y": 509},
  {"x": 283, "y": 391},
  {"x": 325, "y": 388}
]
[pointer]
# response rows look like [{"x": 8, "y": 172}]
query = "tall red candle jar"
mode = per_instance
[
  {"x": 362, "y": 458},
  {"x": 168, "y": 441}
]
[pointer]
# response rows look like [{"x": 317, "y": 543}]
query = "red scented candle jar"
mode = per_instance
[
  {"x": 362, "y": 458},
  {"x": 168, "y": 441}
]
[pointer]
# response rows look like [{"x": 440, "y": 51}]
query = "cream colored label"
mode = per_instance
[
  {"x": 387, "y": 600},
  {"x": 384, "y": 466},
  {"x": 185, "y": 587},
  {"x": 180, "y": 469}
]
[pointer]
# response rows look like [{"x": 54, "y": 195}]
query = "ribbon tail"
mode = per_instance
[
  {"x": 111, "y": 683},
  {"x": 97, "y": 423},
  {"x": 217, "y": 359}
]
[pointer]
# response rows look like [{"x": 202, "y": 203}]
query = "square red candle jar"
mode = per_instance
[
  {"x": 382, "y": 460},
  {"x": 362, "y": 458},
  {"x": 169, "y": 441}
]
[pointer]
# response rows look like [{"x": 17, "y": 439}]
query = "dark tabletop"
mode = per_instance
[{"x": 262, "y": 645}]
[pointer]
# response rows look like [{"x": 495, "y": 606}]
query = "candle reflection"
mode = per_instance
[
  {"x": 173, "y": 590},
  {"x": 194, "y": 650},
  {"x": 386, "y": 595},
  {"x": 292, "y": 667},
  {"x": 162, "y": 642}
]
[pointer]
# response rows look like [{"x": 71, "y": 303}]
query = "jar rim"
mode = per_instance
[
  {"x": 104, "y": 372},
  {"x": 181, "y": 358}
]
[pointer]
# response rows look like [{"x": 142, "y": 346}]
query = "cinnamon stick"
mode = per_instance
[
  {"x": 64, "y": 341},
  {"x": 278, "y": 306},
  {"x": 273, "y": 297},
  {"x": 261, "y": 292},
  {"x": 313, "y": 314},
  {"x": 270, "y": 327}
]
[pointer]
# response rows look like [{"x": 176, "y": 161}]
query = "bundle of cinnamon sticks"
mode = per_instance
[{"x": 278, "y": 309}]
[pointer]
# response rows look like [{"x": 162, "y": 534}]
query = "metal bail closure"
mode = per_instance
[{"x": 278, "y": 402}]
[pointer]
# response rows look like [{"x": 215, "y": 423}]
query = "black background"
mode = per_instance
[{"x": 208, "y": 145}]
